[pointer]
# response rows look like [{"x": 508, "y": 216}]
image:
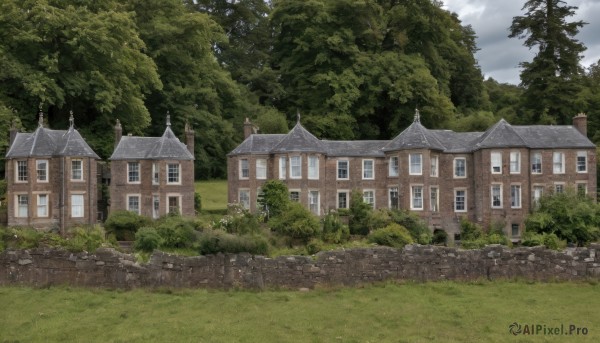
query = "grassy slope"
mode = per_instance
[
  {"x": 447, "y": 312},
  {"x": 213, "y": 193}
]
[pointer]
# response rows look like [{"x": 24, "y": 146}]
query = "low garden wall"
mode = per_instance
[{"x": 111, "y": 269}]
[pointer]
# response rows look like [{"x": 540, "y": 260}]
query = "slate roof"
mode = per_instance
[
  {"x": 416, "y": 136},
  {"x": 45, "y": 142},
  {"x": 168, "y": 146}
]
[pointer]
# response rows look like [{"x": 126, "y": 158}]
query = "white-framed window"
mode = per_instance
[
  {"x": 313, "y": 202},
  {"x": 313, "y": 167},
  {"x": 515, "y": 162},
  {"x": 368, "y": 170},
  {"x": 416, "y": 164},
  {"x": 416, "y": 197},
  {"x": 295, "y": 167},
  {"x": 77, "y": 170},
  {"x": 582, "y": 161},
  {"x": 282, "y": 167},
  {"x": 460, "y": 200},
  {"x": 496, "y": 162},
  {"x": 558, "y": 163},
  {"x": 295, "y": 195},
  {"x": 133, "y": 203},
  {"x": 393, "y": 167},
  {"x": 515, "y": 196},
  {"x": 538, "y": 192},
  {"x": 342, "y": 199},
  {"x": 174, "y": 203},
  {"x": 133, "y": 172},
  {"x": 434, "y": 168},
  {"x": 244, "y": 169},
  {"x": 155, "y": 173},
  {"x": 536, "y": 163},
  {"x": 342, "y": 170},
  {"x": 77, "y": 210},
  {"x": 460, "y": 167},
  {"x": 393, "y": 197},
  {"x": 496, "y": 195},
  {"x": 22, "y": 209},
  {"x": 261, "y": 168},
  {"x": 155, "y": 206},
  {"x": 434, "y": 199},
  {"x": 42, "y": 205},
  {"x": 41, "y": 167},
  {"x": 582, "y": 188},
  {"x": 244, "y": 198},
  {"x": 559, "y": 187},
  {"x": 173, "y": 173},
  {"x": 21, "y": 174},
  {"x": 369, "y": 197}
]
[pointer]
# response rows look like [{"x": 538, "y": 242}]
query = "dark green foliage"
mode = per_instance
[
  {"x": 275, "y": 198},
  {"x": 124, "y": 224},
  {"x": 473, "y": 237},
  {"x": 393, "y": 235},
  {"x": 470, "y": 231},
  {"x": 176, "y": 232},
  {"x": 212, "y": 242},
  {"x": 238, "y": 220},
  {"x": 147, "y": 239},
  {"x": 77, "y": 239},
  {"x": 85, "y": 239},
  {"x": 570, "y": 216},
  {"x": 419, "y": 231},
  {"x": 550, "y": 241},
  {"x": 439, "y": 237},
  {"x": 359, "y": 214},
  {"x": 197, "y": 202},
  {"x": 297, "y": 222},
  {"x": 314, "y": 246},
  {"x": 334, "y": 231},
  {"x": 20, "y": 238}
]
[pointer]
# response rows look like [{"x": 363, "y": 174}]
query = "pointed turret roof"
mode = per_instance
[
  {"x": 416, "y": 136},
  {"x": 299, "y": 140},
  {"x": 501, "y": 135}
]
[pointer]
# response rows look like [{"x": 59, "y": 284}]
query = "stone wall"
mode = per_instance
[{"x": 110, "y": 269}]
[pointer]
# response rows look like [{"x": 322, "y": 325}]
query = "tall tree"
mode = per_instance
[{"x": 552, "y": 78}]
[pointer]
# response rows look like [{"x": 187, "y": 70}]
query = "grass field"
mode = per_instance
[
  {"x": 431, "y": 312},
  {"x": 213, "y": 193}
]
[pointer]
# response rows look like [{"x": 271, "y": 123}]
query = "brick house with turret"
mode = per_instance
[
  {"x": 441, "y": 175},
  {"x": 153, "y": 176},
  {"x": 51, "y": 178}
]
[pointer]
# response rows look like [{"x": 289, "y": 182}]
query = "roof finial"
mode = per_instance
[
  {"x": 41, "y": 117},
  {"x": 417, "y": 116},
  {"x": 297, "y": 116},
  {"x": 168, "y": 119},
  {"x": 71, "y": 119},
  {"x": 118, "y": 124}
]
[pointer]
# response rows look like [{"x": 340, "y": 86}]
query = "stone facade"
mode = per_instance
[
  {"x": 110, "y": 269},
  {"x": 487, "y": 177},
  {"x": 51, "y": 179}
]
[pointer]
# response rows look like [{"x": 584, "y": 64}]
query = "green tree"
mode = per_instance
[
  {"x": 275, "y": 198},
  {"x": 552, "y": 78},
  {"x": 360, "y": 214}
]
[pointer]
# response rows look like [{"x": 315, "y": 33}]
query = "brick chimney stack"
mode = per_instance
[
  {"x": 189, "y": 138},
  {"x": 248, "y": 128},
  {"x": 118, "y": 133},
  {"x": 580, "y": 123}
]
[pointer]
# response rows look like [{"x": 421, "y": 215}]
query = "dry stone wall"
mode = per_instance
[{"x": 108, "y": 268}]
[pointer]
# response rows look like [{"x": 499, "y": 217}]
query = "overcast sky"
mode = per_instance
[{"x": 499, "y": 56}]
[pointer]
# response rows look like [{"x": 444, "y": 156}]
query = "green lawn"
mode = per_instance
[
  {"x": 213, "y": 193},
  {"x": 431, "y": 312}
]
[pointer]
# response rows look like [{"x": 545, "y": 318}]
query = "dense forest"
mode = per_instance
[{"x": 355, "y": 69}]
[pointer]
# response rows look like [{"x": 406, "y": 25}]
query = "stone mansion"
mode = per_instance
[{"x": 492, "y": 176}]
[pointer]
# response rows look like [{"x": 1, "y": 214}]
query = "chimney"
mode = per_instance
[
  {"x": 580, "y": 123},
  {"x": 118, "y": 133},
  {"x": 189, "y": 138},
  {"x": 13, "y": 132},
  {"x": 248, "y": 128}
]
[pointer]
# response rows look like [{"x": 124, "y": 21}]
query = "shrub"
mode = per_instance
[
  {"x": 551, "y": 241},
  {"x": 314, "y": 246},
  {"x": 21, "y": 238},
  {"x": 197, "y": 202},
  {"x": 275, "y": 198},
  {"x": 419, "y": 231},
  {"x": 532, "y": 239},
  {"x": 212, "y": 242},
  {"x": 496, "y": 238},
  {"x": 439, "y": 237},
  {"x": 176, "y": 232},
  {"x": 469, "y": 231},
  {"x": 297, "y": 222},
  {"x": 238, "y": 220},
  {"x": 124, "y": 224},
  {"x": 334, "y": 231},
  {"x": 393, "y": 235},
  {"x": 85, "y": 239},
  {"x": 359, "y": 214},
  {"x": 474, "y": 243},
  {"x": 147, "y": 239}
]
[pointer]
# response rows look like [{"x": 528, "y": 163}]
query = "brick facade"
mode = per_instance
[{"x": 514, "y": 188}]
